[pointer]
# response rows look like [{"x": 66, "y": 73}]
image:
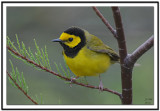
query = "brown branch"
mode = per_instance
[
  {"x": 105, "y": 21},
  {"x": 120, "y": 33},
  {"x": 63, "y": 77},
  {"x": 126, "y": 72},
  {"x": 132, "y": 58},
  {"x": 21, "y": 89}
]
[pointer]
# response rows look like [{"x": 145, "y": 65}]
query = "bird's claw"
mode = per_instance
[
  {"x": 72, "y": 79},
  {"x": 101, "y": 86}
]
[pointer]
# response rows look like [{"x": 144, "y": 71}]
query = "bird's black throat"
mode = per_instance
[{"x": 72, "y": 52}]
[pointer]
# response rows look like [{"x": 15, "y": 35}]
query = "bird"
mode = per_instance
[{"x": 85, "y": 54}]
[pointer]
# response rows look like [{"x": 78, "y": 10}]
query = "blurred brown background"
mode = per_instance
[{"x": 47, "y": 23}]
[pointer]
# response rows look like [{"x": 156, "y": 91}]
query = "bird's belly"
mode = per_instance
[{"x": 88, "y": 63}]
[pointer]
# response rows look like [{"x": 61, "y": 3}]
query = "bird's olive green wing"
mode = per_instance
[{"x": 95, "y": 44}]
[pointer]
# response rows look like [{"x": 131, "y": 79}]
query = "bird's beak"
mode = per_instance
[{"x": 56, "y": 40}]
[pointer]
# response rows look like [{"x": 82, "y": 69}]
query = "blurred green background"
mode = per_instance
[{"x": 47, "y": 23}]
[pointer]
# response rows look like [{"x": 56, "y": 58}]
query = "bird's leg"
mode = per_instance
[
  {"x": 100, "y": 84},
  {"x": 73, "y": 79}
]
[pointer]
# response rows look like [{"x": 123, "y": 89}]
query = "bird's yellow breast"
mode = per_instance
[{"x": 88, "y": 63}]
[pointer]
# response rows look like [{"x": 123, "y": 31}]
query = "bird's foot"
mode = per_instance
[
  {"x": 72, "y": 79},
  {"x": 101, "y": 86}
]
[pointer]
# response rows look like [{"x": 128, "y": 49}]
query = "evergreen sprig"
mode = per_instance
[
  {"x": 18, "y": 78},
  {"x": 40, "y": 56}
]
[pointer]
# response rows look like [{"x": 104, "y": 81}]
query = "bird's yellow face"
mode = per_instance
[{"x": 70, "y": 40}]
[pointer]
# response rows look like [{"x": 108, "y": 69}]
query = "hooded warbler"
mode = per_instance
[{"x": 86, "y": 54}]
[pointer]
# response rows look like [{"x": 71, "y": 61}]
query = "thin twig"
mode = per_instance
[
  {"x": 21, "y": 89},
  {"x": 63, "y": 77},
  {"x": 132, "y": 58},
  {"x": 105, "y": 21}
]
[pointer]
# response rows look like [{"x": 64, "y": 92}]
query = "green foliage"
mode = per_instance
[
  {"x": 39, "y": 100},
  {"x": 12, "y": 82},
  {"x": 47, "y": 57},
  {"x": 40, "y": 56},
  {"x": 65, "y": 73},
  {"x": 18, "y": 78},
  {"x": 57, "y": 67},
  {"x": 67, "y": 68},
  {"x": 11, "y": 44},
  {"x": 82, "y": 80},
  {"x": 62, "y": 69},
  {"x": 18, "y": 43}
]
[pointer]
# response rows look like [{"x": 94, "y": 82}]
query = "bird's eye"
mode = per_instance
[{"x": 70, "y": 39}]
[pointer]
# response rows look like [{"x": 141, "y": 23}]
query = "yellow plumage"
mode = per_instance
[{"x": 88, "y": 63}]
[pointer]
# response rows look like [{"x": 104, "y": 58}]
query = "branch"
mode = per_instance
[
  {"x": 21, "y": 89},
  {"x": 63, "y": 77},
  {"x": 105, "y": 21},
  {"x": 126, "y": 72},
  {"x": 120, "y": 34},
  {"x": 132, "y": 58}
]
